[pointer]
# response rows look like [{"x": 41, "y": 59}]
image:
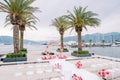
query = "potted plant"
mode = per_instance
[
  {"x": 51, "y": 53},
  {"x": 62, "y": 50},
  {"x": 81, "y": 53},
  {"x": 12, "y": 57}
]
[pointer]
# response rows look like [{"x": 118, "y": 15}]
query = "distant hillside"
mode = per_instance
[
  {"x": 9, "y": 40},
  {"x": 96, "y": 37}
]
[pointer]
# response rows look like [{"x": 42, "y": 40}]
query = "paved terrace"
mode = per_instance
[{"x": 14, "y": 70}]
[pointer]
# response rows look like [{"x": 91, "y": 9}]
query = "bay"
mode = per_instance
[{"x": 104, "y": 51}]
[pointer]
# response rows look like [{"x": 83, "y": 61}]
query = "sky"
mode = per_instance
[{"x": 108, "y": 12}]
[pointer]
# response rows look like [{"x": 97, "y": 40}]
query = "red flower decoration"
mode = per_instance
[
  {"x": 46, "y": 46},
  {"x": 103, "y": 69},
  {"x": 78, "y": 64},
  {"x": 75, "y": 77},
  {"x": 99, "y": 73},
  {"x": 58, "y": 66},
  {"x": 107, "y": 73},
  {"x": 103, "y": 73}
]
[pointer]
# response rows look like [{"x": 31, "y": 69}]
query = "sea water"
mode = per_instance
[{"x": 104, "y": 51}]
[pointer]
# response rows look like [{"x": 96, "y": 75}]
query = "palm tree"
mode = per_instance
[
  {"x": 62, "y": 25},
  {"x": 27, "y": 21},
  {"x": 15, "y": 10},
  {"x": 81, "y": 19}
]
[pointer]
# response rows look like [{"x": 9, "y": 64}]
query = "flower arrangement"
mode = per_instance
[
  {"x": 61, "y": 56},
  {"x": 58, "y": 66},
  {"x": 103, "y": 73},
  {"x": 78, "y": 64},
  {"x": 48, "y": 57},
  {"x": 62, "y": 50},
  {"x": 76, "y": 77},
  {"x": 47, "y": 50}
]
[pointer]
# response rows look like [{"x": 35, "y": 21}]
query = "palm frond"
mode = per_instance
[
  {"x": 82, "y": 18},
  {"x": 60, "y": 23}
]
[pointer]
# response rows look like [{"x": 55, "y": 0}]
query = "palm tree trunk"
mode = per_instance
[
  {"x": 16, "y": 38},
  {"x": 79, "y": 40},
  {"x": 62, "y": 45},
  {"x": 21, "y": 39}
]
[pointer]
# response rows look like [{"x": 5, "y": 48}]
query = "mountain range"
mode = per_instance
[
  {"x": 96, "y": 37},
  {"x": 9, "y": 40}
]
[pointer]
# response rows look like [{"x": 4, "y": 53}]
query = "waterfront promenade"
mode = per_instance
[{"x": 37, "y": 69}]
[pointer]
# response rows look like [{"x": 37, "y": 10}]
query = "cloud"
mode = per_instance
[
  {"x": 109, "y": 24},
  {"x": 43, "y": 33},
  {"x": 108, "y": 11}
]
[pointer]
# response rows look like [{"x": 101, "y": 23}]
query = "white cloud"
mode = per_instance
[
  {"x": 43, "y": 33},
  {"x": 108, "y": 11}
]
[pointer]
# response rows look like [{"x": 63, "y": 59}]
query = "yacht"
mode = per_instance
[{"x": 115, "y": 45}]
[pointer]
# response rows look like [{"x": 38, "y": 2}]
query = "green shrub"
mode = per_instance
[
  {"x": 23, "y": 54},
  {"x": 58, "y": 49},
  {"x": 65, "y": 49},
  {"x": 14, "y": 55},
  {"x": 10, "y": 55},
  {"x": 75, "y": 51},
  {"x": 81, "y": 51},
  {"x": 51, "y": 53},
  {"x": 23, "y": 50}
]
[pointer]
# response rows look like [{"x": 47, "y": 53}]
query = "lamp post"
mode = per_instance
[{"x": 112, "y": 39}]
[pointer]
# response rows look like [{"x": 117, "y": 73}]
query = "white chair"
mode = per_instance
[
  {"x": 39, "y": 71},
  {"x": 114, "y": 73},
  {"x": 55, "y": 78},
  {"x": 18, "y": 74},
  {"x": 29, "y": 73}
]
